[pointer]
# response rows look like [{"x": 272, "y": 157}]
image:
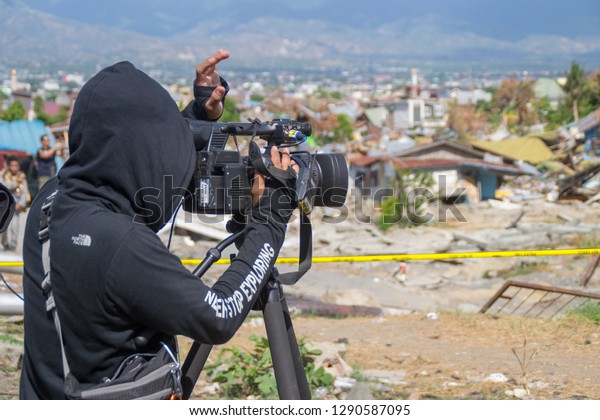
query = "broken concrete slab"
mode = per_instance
[
  {"x": 389, "y": 377},
  {"x": 11, "y": 356}
]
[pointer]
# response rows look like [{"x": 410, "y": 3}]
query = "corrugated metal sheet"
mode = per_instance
[
  {"x": 445, "y": 164},
  {"x": 23, "y": 135},
  {"x": 377, "y": 116},
  {"x": 589, "y": 122},
  {"x": 528, "y": 149}
]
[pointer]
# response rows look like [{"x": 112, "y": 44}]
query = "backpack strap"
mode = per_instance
[{"x": 44, "y": 237}]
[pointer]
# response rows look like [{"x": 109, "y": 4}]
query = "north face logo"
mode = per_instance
[{"x": 82, "y": 240}]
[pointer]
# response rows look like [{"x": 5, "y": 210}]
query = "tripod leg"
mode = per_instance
[
  {"x": 295, "y": 349},
  {"x": 283, "y": 362},
  {"x": 193, "y": 365}
]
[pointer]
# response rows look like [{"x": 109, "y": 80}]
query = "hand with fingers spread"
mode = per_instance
[{"x": 207, "y": 76}]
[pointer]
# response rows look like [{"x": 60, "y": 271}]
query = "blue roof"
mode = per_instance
[{"x": 24, "y": 135}]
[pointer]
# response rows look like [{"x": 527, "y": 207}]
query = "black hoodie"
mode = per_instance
[{"x": 131, "y": 157}]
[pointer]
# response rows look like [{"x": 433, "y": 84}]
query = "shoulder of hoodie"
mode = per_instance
[
  {"x": 124, "y": 230},
  {"x": 112, "y": 232}
]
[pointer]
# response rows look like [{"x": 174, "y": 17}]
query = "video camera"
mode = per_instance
[
  {"x": 222, "y": 184},
  {"x": 222, "y": 179}
]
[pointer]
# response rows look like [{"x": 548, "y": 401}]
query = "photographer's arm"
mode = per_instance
[{"x": 152, "y": 287}]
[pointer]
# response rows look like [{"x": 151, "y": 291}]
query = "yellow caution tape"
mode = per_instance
[
  {"x": 404, "y": 257},
  {"x": 440, "y": 256}
]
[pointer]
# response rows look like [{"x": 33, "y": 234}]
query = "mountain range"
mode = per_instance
[{"x": 264, "y": 37}]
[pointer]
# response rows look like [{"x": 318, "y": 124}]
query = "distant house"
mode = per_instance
[
  {"x": 408, "y": 114},
  {"x": 459, "y": 172},
  {"x": 590, "y": 127},
  {"x": 465, "y": 97},
  {"x": 26, "y": 99},
  {"x": 547, "y": 88},
  {"x": 370, "y": 123}
]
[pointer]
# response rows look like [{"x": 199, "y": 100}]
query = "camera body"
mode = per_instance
[{"x": 222, "y": 184}]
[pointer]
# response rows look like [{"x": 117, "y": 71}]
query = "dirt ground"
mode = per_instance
[
  {"x": 456, "y": 355},
  {"x": 452, "y": 357}
]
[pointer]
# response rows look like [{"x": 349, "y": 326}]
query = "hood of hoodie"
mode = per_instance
[{"x": 131, "y": 151}]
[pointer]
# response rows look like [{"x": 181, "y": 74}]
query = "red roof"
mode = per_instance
[
  {"x": 51, "y": 108},
  {"x": 362, "y": 160}
]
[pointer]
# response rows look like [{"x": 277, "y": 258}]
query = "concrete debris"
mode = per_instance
[
  {"x": 523, "y": 236},
  {"x": 10, "y": 304},
  {"x": 331, "y": 358},
  {"x": 343, "y": 383},
  {"x": 254, "y": 321},
  {"x": 468, "y": 308},
  {"x": 317, "y": 307},
  {"x": 517, "y": 393},
  {"x": 211, "y": 389},
  {"x": 538, "y": 385},
  {"x": 388, "y": 377},
  {"x": 351, "y": 297},
  {"x": 361, "y": 391},
  {"x": 11, "y": 356},
  {"x": 517, "y": 218},
  {"x": 583, "y": 184},
  {"x": 397, "y": 312},
  {"x": 453, "y": 384},
  {"x": 496, "y": 377},
  {"x": 320, "y": 392},
  {"x": 380, "y": 387}
]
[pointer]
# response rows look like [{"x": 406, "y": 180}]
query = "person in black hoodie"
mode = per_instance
[{"x": 112, "y": 276}]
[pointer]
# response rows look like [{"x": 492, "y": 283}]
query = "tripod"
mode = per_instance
[{"x": 287, "y": 362}]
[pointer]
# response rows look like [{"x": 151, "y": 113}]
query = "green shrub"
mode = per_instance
[
  {"x": 412, "y": 194},
  {"x": 241, "y": 374},
  {"x": 590, "y": 310}
]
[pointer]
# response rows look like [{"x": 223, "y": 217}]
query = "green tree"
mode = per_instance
[
  {"x": 523, "y": 98},
  {"x": 590, "y": 97},
  {"x": 344, "y": 129},
  {"x": 230, "y": 112},
  {"x": 38, "y": 108},
  {"x": 574, "y": 87},
  {"x": 553, "y": 116},
  {"x": 16, "y": 111},
  {"x": 336, "y": 95}
]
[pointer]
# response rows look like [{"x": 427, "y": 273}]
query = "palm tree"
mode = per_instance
[{"x": 575, "y": 86}]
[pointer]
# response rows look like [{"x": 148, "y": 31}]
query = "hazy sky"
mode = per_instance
[{"x": 509, "y": 20}]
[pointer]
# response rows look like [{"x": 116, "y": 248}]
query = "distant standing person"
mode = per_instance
[
  {"x": 45, "y": 160},
  {"x": 15, "y": 180}
]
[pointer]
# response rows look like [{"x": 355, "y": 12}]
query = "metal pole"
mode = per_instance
[
  {"x": 295, "y": 349},
  {"x": 192, "y": 367},
  {"x": 281, "y": 354}
]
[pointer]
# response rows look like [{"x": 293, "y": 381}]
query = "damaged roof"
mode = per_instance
[
  {"x": 588, "y": 122},
  {"x": 528, "y": 149},
  {"x": 440, "y": 164}
]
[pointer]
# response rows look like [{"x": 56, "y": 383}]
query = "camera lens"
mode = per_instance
[{"x": 331, "y": 178}]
